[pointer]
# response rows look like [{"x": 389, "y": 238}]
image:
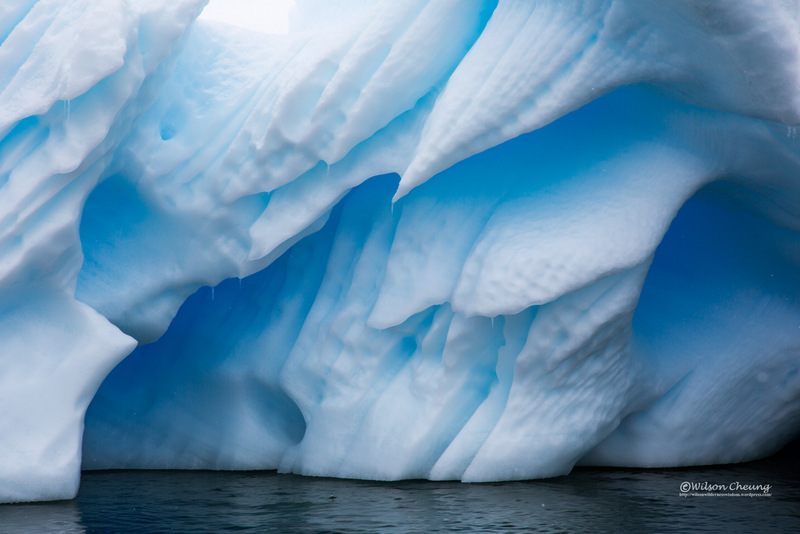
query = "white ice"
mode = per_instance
[{"x": 424, "y": 239}]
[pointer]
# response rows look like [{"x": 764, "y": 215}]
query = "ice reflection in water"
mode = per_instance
[{"x": 62, "y": 517}]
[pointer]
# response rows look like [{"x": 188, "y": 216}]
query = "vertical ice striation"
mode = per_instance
[{"x": 425, "y": 239}]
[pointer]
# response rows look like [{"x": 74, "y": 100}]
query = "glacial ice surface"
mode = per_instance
[{"x": 424, "y": 239}]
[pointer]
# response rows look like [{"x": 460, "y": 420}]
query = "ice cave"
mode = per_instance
[{"x": 431, "y": 239}]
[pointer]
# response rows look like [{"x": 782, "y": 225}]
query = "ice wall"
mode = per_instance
[
  {"x": 74, "y": 77},
  {"x": 429, "y": 239}
]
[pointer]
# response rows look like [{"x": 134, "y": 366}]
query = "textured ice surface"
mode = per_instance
[{"x": 421, "y": 239}]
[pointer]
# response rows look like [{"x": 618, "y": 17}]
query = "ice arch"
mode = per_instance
[
  {"x": 442, "y": 215},
  {"x": 361, "y": 360}
]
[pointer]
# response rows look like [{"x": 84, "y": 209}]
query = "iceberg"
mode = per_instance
[{"x": 474, "y": 241}]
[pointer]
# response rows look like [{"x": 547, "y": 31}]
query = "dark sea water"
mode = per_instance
[{"x": 588, "y": 500}]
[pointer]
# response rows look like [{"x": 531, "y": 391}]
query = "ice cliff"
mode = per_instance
[{"x": 481, "y": 240}]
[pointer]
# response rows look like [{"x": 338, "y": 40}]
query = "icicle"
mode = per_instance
[{"x": 212, "y": 294}]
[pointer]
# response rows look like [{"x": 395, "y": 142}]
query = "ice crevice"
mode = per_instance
[{"x": 478, "y": 242}]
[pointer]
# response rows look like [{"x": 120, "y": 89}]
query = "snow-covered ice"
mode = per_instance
[{"x": 424, "y": 239}]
